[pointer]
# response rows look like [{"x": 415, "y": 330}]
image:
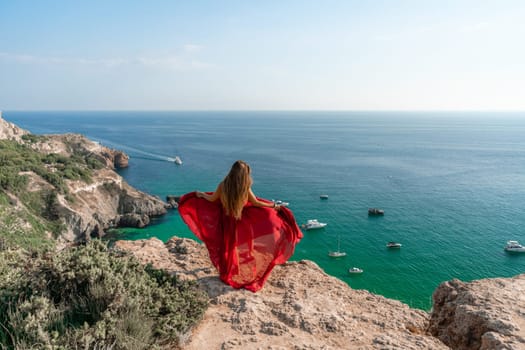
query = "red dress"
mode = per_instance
[{"x": 243, "y": 251}]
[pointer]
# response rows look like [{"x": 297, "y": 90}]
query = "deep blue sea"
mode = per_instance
[{"x": 452, "y": 184}]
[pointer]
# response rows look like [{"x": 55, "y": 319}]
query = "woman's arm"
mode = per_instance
[
  {"x": 210, "y": 197},
  {"x": 258, "y": 203}
]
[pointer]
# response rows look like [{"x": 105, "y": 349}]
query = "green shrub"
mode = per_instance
[
  {"x": 31, "y": 138},
  {"x": 53, "y": 167},
  {"x": 19, "y": 227},
  {"x": 94, "y": 163},
  {"x": 91, "y": 297}
]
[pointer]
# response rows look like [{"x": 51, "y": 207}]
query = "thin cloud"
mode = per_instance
[
  {"x": 474, "y": 27},
  {"x": 182, "y": 61},
  {"x": 192, "y": 48}
]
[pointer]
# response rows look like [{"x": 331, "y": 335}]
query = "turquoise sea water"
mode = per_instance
[{"x": 452, "y": 184}]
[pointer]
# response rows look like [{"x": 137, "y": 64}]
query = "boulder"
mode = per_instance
[
  {"x": 120, "y": 160},
  {"x": 173, "y": 201},
  {"x": 483, "y": 314}
]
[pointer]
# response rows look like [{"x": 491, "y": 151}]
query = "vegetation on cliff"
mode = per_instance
[
  {"x": 16, "y": 158},
  {"x": 88, "y": 296},
  {"x": 39, "y": 205},
  {"x": 92, "y": 297}
]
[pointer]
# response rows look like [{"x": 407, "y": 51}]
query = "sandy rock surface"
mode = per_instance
[{"x": 300, "y": 307}]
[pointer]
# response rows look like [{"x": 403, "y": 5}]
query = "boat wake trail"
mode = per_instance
[{"x": 137, "y": 153}]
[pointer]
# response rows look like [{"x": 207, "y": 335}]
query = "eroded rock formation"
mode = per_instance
[
  {"x": 484, "y": 314},
  {"x": 108, "y": 201}
]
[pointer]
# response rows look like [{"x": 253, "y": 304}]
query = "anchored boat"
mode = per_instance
[
  {"x": 313, "y": 224},
  {"x": 514, "y": 246}
]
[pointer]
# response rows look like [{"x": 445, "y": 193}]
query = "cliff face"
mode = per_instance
[
  {"x": 105, "y": 203},
  {"x": 87, "y": 205}
]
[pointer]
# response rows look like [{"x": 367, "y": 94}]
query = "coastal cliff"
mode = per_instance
[
  {"x": 301, "y": 307},
  {"x": 67, "y": 184}
]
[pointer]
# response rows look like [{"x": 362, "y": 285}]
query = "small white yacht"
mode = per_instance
[
  {"x": 323, "y": 196},
  {"x": 177, "y": 160},
  {"x": 514, "y": 246},
  {"x": 355, "y": 270},
  {"x": 336, "y": 254},
  {"x": 313, "y": 224},
  {"x": 280, "y": 203},
  {"x": 393, "y": 245}
]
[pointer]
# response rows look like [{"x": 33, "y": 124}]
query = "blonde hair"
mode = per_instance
[{"x": 236, "y": 188}]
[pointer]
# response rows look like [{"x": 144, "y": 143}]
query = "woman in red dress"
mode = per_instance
[{"x": 246, "y": 236}]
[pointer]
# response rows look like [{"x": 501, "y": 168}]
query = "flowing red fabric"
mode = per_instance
[{"x": 243, "y": 251}]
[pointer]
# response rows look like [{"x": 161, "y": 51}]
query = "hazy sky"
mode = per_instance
[{"x": 266, "y": 55}]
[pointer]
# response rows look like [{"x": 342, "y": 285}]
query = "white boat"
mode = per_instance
[
  {"x": 313, "y": 224},
  {"x": 323, "y": 196},
  {"x": 355, "y": 270},
  {"x": 281, "y": 203},
  {"x": 514, "y": 246},
  {"x": 393, "y": 245},
  {"x": 338, "y": 253},
  {"x": 177, "y": 160}
]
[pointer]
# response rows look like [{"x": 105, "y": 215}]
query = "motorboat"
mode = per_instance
[
  {"x": 177, "y": 160},
  {"x": 313, "y": 224},
  {"x": 514, "y": 246},
  {"x": 393, "y": 245},
  {"x": 375, "y": 211},
  {"x": 355, "y": 270},
  {"x": 280, "y": 203},
  {"x": 323, "y": 196}
]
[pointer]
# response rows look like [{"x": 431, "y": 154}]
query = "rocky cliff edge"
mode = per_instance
[{"x": 301, "y": 307}]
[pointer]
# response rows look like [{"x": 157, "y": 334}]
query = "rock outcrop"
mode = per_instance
[
  {"x": 484, "y": 314},
  {"x": 120, "y": 160},
  {"x": 300, "y": 307},
  {"x": 68, "y": 144},
  {"x": 88, "y": 208},
  {"x": 9, "y": 131},
  {"x": 173, "y": 200},
  {"x": 107, "y": 202}
]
